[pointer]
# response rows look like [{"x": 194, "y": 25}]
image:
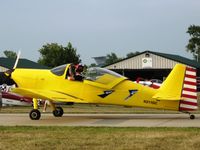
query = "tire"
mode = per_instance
[
  {"x": 58, "y": 112},
  {"x": 35, "y": 114},
  {"x": 192, "y": 116}
]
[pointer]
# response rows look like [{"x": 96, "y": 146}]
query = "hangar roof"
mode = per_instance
[
  {"x": 178, "y": 58},
  {"x": 23, "y": 63},
  {"x": 172, "y": 57}
]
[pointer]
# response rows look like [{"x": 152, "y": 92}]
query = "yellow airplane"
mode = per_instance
[{"x": 102, "y": 86}]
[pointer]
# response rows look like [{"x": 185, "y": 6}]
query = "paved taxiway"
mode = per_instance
[{"x": 112, "y": 120}]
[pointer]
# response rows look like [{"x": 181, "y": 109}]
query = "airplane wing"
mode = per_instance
[{"x": 48, "y": 95}]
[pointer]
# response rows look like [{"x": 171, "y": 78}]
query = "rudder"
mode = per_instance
[{"x": 189, "y": 92}]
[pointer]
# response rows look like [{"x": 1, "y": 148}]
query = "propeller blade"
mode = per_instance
[{"x": 16, "y": 62}]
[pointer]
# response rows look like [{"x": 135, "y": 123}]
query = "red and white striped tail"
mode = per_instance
[{"x": 189, "y": 91}]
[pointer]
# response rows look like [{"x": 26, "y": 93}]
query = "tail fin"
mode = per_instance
[{"x": 180, "y": 85}]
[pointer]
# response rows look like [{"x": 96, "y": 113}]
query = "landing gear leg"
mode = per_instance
[{"x": 35, "y": 113}]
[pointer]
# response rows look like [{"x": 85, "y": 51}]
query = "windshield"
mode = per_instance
[
  {"x": 95, "y": 73},
  {"x": 60, "y": 70}
]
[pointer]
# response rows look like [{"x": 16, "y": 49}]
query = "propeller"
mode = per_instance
[{"x": 5, "y": 77}]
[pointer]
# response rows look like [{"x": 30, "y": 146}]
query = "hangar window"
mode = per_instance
[{"x": 147, "y": 55}]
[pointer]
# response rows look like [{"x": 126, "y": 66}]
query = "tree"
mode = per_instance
[
  {"x": 54, "y": 55},
  {"x": 193, "y": 45},
  {"x": 10, "y": 54},
  {"x": 71, "y": 55},
  {"x": 111, "y": 58},
  {"x": 132, "y": 54}
]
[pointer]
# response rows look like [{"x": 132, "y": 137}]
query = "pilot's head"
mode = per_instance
[{"x": 79, "y": 68}]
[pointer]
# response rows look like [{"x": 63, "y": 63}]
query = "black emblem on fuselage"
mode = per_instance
[
  {"x": 131, "y": 93},
  {"x": 106, "y": 93}
]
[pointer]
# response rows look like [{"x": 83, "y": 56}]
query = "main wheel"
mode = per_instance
[
  {"x": 58, "y": 112},
  {"x": 35, "y": 114},
  {"x": 192, "y": 116}
]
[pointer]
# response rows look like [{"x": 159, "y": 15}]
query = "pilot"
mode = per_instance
[
  {"x": 79, "y": 69},
  {"x": 71, "y": 72}
]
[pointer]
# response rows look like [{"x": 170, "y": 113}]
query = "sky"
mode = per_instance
[{"x": 97, "y": 27}]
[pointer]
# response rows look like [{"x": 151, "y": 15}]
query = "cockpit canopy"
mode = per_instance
[
  {"x": 96, "y": 74},
  {"x": 60, "y": 70}
]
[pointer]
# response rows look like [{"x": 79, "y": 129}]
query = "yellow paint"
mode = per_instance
[
  {"x": 43, "y": 84},
  {"x": 172, "y": 87}
]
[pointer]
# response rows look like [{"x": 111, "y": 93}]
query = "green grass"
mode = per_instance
[{"x": 97, "y": 138}]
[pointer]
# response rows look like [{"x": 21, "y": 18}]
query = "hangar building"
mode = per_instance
[
  {"x": 8, "y": 63},
  {"x": 150, "y": 65}
]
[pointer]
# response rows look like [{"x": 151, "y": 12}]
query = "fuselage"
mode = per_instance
[{"x": 104, "y": 89}]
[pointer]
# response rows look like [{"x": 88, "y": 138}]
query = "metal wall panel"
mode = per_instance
[{"x": 158, "y": 62}]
